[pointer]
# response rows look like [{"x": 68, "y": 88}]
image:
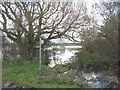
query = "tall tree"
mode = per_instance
[
  {"x": 25, "y": 22},
  {"x": 101, "y": 44}
]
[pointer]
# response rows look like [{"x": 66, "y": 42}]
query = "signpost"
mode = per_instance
[
  {"x": 40, "y": 61},
  {"x": 40, "y": 56}
]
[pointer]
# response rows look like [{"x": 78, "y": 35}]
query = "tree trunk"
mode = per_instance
[{"x": 27, "y": 50}]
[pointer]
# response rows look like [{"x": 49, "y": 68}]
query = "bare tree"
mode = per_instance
[{"x": 25, "y": 22}]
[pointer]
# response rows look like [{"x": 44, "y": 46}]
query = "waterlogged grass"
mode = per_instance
[{"x": 28, "y": 75}]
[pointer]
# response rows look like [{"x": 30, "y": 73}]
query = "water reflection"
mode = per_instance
[
  {"x": 100, "y": 84},
  {"x": 94, "y": 79},
  {"x": 97, "y": 80}
]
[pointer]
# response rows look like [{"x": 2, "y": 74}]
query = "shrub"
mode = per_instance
[{"x": 90, "y": 62}]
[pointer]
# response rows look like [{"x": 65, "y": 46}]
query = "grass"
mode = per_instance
[{"x": 28, "y": 75}]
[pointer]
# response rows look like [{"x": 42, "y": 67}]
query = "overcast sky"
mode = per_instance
[{"x": 88, "y": 2}]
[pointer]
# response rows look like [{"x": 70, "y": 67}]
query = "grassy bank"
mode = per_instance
[{"x": 28, "y": 75}]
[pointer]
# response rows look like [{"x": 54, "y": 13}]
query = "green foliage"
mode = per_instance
[
  {"x": 17, "y": 61},
  {"x": 100, "y": 49},
  {"x": 89, "y": 62}
]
